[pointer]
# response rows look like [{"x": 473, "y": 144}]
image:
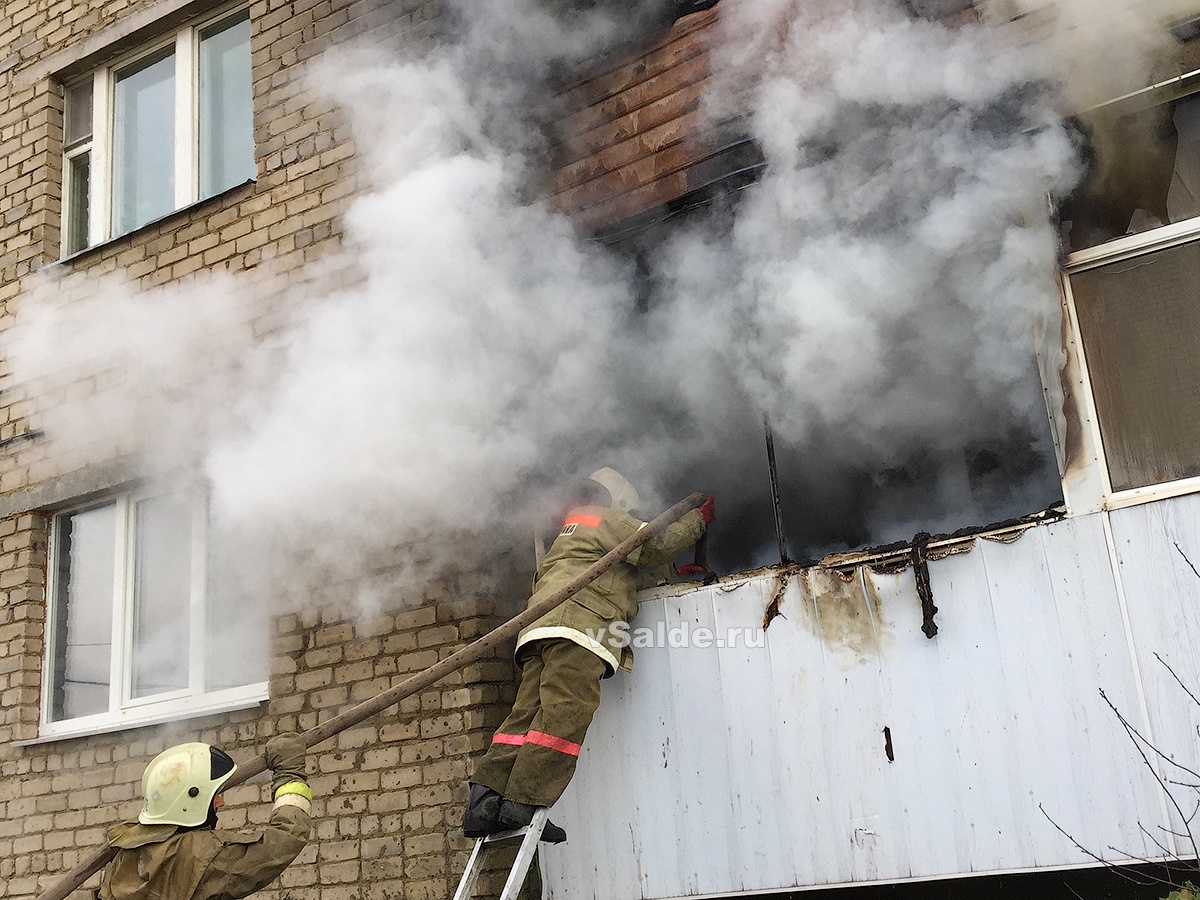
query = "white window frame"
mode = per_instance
[
  {"x": 186, "y": 44},
  {"x": 1091, "y": 489},
  {"x": 1098, "y": 492},
  {"x": 124, "y": 711}
]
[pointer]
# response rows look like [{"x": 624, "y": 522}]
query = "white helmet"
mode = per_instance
[
  {"x": 179, "y": 784},
  {"x": 623, "y": 495}
]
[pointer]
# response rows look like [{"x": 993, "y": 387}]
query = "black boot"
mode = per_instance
[
  {"x": 483, "y": 812},
  {"x": 518, "y": 815}
]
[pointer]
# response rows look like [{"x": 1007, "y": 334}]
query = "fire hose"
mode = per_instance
[{"x": 484, "y": 646}]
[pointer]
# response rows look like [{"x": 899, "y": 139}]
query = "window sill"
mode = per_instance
[
  {"x": 215, "y": 199},
  {"x": 1132, "y": 245},
  {"x": 1150, "y": 493},
  {"x": 225, "y": 701}
]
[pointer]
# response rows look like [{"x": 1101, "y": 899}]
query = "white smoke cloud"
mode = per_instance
[
  {"x": 1102, "y": 49},
  {"x": 873, "y": 295},
  {"x": 884, "y": 276}
]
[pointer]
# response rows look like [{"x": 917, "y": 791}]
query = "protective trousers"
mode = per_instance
[{"x": 534, "y": 752}]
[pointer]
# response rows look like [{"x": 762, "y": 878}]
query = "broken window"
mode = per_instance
[
  {"x": 136, "y": 634},
  {"x": 779, "y": 499},
  {"x": 1143, "y": 171}
]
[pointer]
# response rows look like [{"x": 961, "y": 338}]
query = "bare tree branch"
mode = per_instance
[
  {"x": 1142, "y": 828},
  {"x": 1104, "y": 862},
  {"x": 1139, "y": 739},
  {"x": 1178, "y": 680},
  {"x": 1154, "y": 772},
  {"x": 1186, "y": 560},
  {"x": 1154, "y": 879}
]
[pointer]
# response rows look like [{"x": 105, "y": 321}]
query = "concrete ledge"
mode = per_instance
[
  {"x": 68, "y": 489},
  {"x": 112, "y": 40}
]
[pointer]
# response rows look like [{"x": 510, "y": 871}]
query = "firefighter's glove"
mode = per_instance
[
  {"x": 708, "y": 509},
  {"x": 285, "y": 759},
  {"x": 690, "y": 569}
]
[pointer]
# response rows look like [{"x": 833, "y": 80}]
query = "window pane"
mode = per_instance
[
  {"x": 79, "y": 170},
  {"x": 226, "y": 117},
  {"x": 144, "y": 142},
  {"x": 1140, "y": 325},
  {"x": 237, "y": 627},
  {"x": 161, "y": 595},
  {"x": 85, "y": 575},
  {"x": 78, "y": 119}
]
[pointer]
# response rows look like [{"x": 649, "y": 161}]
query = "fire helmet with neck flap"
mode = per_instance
[
  {"x": 179, "y": 784},
  {"x": 622, "y": 493}
]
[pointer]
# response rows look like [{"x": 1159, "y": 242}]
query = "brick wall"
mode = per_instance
[
  {"x": 304, "y": 156},
  {"x": 388, "y": 791},
  {"x": 635, "y": 136}
]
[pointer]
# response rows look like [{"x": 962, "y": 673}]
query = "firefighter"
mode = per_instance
[
  {"x": 175, "y": 851},
  {"x": 564, "y": 654}
]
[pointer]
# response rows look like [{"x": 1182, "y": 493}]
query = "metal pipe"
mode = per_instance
[{"x": 468, "y": 654}]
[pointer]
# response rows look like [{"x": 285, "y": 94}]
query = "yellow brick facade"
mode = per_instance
[{"x": 388, "y": 791}]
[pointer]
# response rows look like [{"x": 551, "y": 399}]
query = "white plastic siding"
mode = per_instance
[{"x": 718, "y": 771}]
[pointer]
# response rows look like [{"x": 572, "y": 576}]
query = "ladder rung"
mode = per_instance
[
  {"x": 502, "y": 836},
  {"x": 529, "y": 836}
]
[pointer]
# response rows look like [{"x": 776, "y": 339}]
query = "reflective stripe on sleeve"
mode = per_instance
[
  {"x": 582, "y": 519},
  {"x": 297, "y": 800},
  {"x": 515, "y": 739},
  {"x": 295, "y": 787}
]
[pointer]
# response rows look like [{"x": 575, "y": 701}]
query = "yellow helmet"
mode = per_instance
[{"x": 179, "y": 784}]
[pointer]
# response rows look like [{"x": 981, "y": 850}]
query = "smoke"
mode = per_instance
[
  {"x": 881, "y": 282},
  {"x": 408, "y": 405},
  {"x": 1102, "y": 50}
]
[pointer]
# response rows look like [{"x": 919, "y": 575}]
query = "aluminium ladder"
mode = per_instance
[{"x": 529, "y": 836}]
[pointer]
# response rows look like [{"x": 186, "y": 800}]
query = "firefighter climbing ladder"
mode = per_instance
[
  {"x": 485, "y": 646},
  {"x": 529, "y": 837}
]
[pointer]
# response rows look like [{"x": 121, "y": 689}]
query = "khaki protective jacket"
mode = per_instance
[
  {"x": 588, "y": 533},
  {"x": 165, "y": 862}
]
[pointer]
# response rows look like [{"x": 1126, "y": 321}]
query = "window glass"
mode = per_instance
[
  {"x": 83, "y": 602},
  {"x": 78, "y": 117},
  {"x": 144, "y": 142},
  {"x": 1140, "y": 326},
  {"x": 237, "y": 630},
  {"x": 130, "y": 601},
  {"x": 162, "y": 588},
  {"x": 176, "y": 128},
  {"x": 226, "y": 117},
  {"x": 79, "y": 178}
]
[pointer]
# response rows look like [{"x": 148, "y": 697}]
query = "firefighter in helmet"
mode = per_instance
[
  {"x": 175, "y": 851},
  {"x": 565, "y": 653}
]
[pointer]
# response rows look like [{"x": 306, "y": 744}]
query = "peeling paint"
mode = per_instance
[
  {"x": 1069, "y": 416},
  {"x": 920, "y": 556},
  {"x": 891, "y": 559},
  {"x": 861, "y": 834},
  {"x": 772, "y": 610},
  {"x": 838, "y": 582}
]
